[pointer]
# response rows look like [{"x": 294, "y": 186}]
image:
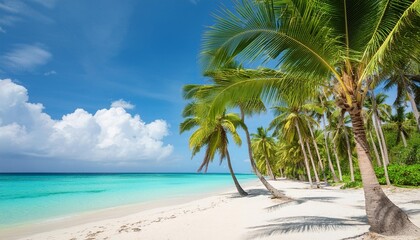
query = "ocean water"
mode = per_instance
[{"x": 32, "y": 197}]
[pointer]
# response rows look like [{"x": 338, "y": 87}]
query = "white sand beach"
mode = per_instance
[{"x": 327, "y": 213}]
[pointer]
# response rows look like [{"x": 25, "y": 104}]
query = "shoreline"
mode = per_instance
[
  {"x": 327, "y": 213},
  {"x": 23, "y": 230}
]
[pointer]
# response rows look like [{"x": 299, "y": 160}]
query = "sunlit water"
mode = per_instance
[{"x": 32, "y": 197}]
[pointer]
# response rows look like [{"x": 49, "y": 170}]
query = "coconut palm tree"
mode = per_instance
[
  {"x": 292, "y": 123},
  {"x": 340, "y": 136},
  {"x": 233, "y": 74},
  {"x": 406, "y": 78},
  {"x": 343, "y": 42},
  {"x": 401, "y": 124},
  {"x": 326, "y": 109},
  {"x": 264, "y": 144},
  {"x": 213, "y": 135},
  {"x": 290, "y": 158}
]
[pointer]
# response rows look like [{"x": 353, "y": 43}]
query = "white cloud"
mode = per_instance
[
  {"x": 110, "y": 135},
  {"x": 194, "y": 1},
  {"x": 52, "y": 72},
  {"x": 122, "y": 104},
  {"x": 2, "y": 30},
  {"x": 26, "y": 57},
  {"x": 18, "y": 7}
]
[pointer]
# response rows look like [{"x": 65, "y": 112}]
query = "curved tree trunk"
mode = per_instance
[
  {"x": 328, "y": 154},
  {"x": 378, "y": 159},
  {"x": 384, "y": 216},
  {"x": 337, "y": 160},
  {"x": 275, "y": 192},
  {"x": 415, "y": 110},
  {"x": 267, "y": 165},
  {"x": 308, "y": 170},
  {"x": 382, "y": 152},
  {"x": 241, "y": 191},
  {"x": 403, "y": 139},
  {"x": 317, "y": 154},
  {"x": 349, "y": 154},
  {"x": 313, "y": 164},
  {"x": 381, "y": 135},
  {"x": 379, "y": 128}
]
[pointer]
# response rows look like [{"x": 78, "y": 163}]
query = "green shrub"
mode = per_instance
[
  {"x": 402, "y": 175},
  {"x": 355, "y": 184}
]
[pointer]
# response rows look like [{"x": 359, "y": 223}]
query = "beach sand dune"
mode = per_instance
[{"x": 327, "y": 213}]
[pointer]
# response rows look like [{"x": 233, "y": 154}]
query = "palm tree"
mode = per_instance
[
  {"x": 326, "y": 108},
  {"x": 377, "y": 110},
  {"x": 264, "y": 144},
  {"x": 343, "y": 42},
  {"x": 340, "y": 137},
  {"x": 290, "y": 158},
  {"x": 406, "y": 78},
  {"x": 292, "y": 123},
  {"x": 213, "y": 135},
  {"x": 248, "y": 106},
  {"x": 399, "y": 122}
]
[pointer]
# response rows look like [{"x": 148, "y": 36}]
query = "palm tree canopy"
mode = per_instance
[{"x": 317, "y": 40}]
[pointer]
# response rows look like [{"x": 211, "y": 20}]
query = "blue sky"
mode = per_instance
[
  {"x": 76, "y": 58},
  {"x": 95, "y": 86}
]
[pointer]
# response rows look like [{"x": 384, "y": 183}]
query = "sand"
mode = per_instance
[{"x": 327, "y": 213}]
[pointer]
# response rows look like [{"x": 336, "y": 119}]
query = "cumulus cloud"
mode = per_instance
[
  {"x": 122, "y": 104},
  {"x": 26, "y": 57},
  {"x": 109, "y": 135}
]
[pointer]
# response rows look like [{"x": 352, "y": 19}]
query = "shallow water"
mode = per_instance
[{"x": 32, "y": 197}]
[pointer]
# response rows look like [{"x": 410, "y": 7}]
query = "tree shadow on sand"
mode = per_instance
[
  {"x": 304, "y": 224},
  {"x": 300, "y": 201},
  {"x": 251, "y": 193}
]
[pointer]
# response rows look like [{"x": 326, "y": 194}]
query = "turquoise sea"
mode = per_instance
[{"x": 32, "y": 197}]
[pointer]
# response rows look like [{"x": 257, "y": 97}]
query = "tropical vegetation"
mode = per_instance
[{"x": 331, "y": 60}]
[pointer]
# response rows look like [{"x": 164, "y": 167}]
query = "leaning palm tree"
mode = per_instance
[
  {"x": 233, "y": 74},
  {"x": 264, "y": 144},
  {"x": 213, "y": 135},
  {"x": 313, "y": 41}
]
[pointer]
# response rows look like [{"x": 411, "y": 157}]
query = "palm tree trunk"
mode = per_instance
[
  {"x": 337, "y": 160},
  {"x": 382, "y": 151},
  {"x": 381, "y": 134},
  {"x": 318, "y": 155},
  {"x": 275, "y": 192},
  {"x": 378, "y": 136},
  {"x": 403, "y": 139},
  {"x": 379, "y": 127},
  {"x": 378, "y": 160},
  {"x": 415, "y": 110},
  {"x": 384, "y": 216},
  {"x": 349, "y": 153},
  {"x": 237, "y": 185},
  {"x": 328, "y": 154},
  {"x": 308, "y": 170},
  {"x": 313, "y": 164},
  {"x": 267, "y": 165}
]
